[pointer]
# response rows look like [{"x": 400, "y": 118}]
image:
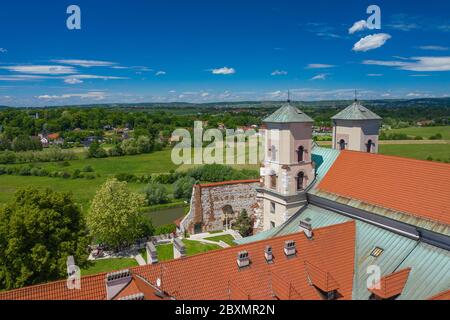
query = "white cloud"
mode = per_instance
[
  {"x": 86, "y": 63},
  {"x": 73, "y": 81},
  {"x": 434, "y": 48},
  {"x": 279, "y": 73},
  {"x": 160, "y": 73},
  {"x": 3, "y": 50},
  {"x": 371, "y": 42},
  {"x": 321, "y": 76},
  {"x": 374, "y": 75},
  {"x": 319, "y": 66},
  {"x": 414, "y": 94},
  {"x": 224, "y": 70},
  {"x": 204, "y": 94},
  {"x": 41, "y": 69},
  {"x": 419, "y": 64},
  {"x": 23, "y": 77},
  {"x": 358, "y": 26},
  {"x": 95, "y": 95}
]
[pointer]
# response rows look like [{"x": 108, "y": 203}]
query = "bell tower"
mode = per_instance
[
  {"x": 287, "y": 168},
  {"x": 356, "y": 128}
]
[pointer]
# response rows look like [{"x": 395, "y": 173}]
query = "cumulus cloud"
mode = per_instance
[
  {"x": 321, "y": 76},
  {"x": 371, "y": 42},
  {"x": 41, "y": 69},
  {"x": 319, "y": 66},
  {"x": 358, "y": 26},
  {"x": 86, "y": 63},
  {"x": 160, "y": 73},
  {"x": 224, "y": 70},
  {"x": 419, "y": 64},
  {"x": 279, "y": 73}
]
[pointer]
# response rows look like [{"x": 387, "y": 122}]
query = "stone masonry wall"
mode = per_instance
[{"x": 209, "y": 201}]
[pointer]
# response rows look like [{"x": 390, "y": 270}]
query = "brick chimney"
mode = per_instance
[
  {"x": 289, "y": 248},
  {"x": 268, "y": 254},
  {"x": 70, "y": 266},
  {"x": 243, "y": 259}
]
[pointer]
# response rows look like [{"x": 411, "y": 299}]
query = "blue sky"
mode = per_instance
[{"x": 203, "y": 51}]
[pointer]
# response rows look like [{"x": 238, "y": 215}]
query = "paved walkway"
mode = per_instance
[{"x": 140, "y": 259}]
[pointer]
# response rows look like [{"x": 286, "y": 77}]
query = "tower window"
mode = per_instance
[
  {"x": 300, "y": 153},
  {"x": 272, "y": 225},
  {"x": 272, "y": 207},
  {"x": 300, "y": 179},
  {"x": 273, "y": 151},
  {"x": 273, "y": 181},
  {"x": 342, "y": 144},
  {"x": 369, "y": 146}
]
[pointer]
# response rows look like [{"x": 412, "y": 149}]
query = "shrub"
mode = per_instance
[
  {"x": 128, "y": 177},
  {"x": 156, "y": 194},
  {"x": 182, "y": 188},
  {"x": 165, "y": 229},
  {"x": 88, "y": 169}
]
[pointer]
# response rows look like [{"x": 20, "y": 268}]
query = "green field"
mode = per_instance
[
  {"x": 418, "y": 151},
  {"x": 424, "y": 132}
]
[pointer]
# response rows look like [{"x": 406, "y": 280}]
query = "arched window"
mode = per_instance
[
  {"x": 300, "y": 153},
  {"x": 300, "y": 179},
  {"x": 342, "y": 144},
  {"x": 369, "y": 146},
  {"x": 273, "y": 181}
]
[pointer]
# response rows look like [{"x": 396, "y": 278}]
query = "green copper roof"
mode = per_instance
[
  {"x": 356, "y": 111},
  {"x": 288, "y": 114}
]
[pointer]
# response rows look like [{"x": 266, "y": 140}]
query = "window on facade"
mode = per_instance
[
  {"x": 272, "y": 224},
  {"x": 272, "y": 207},
  {"x": 273, "y": 181},
  {"x": 300, "y": 154},
  {"x": 342, "y": 144},
  {"x": 300, "y": 179},
  {"x": 369, "y": 146},
  {"x": 273, "y": 153}
]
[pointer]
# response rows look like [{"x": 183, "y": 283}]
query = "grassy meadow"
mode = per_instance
[{"x": 424, "y": 132}]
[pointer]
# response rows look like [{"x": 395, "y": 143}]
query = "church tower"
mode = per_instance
[
  {"x": 287, "y": 168},
  {"x": 356, "y": 128}
]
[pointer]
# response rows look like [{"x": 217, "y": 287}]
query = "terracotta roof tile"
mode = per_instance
[
  {"x": 441, "y": 296},
  {"x": 215, "y": 275},
  {"x": 392, "y": 285},
  {"x": 415, "y": 187}
]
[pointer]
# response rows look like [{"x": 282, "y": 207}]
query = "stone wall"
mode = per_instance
[{"x": 212, "y": 203}]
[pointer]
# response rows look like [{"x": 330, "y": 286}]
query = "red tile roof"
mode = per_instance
[
  {"x": 332, "y": 252},
  {"x": 418, "y": 188},
  {"x": 392, "y": 285},
  {"x": 441, "y": 296},
  {"x": 53, "y": 136}
]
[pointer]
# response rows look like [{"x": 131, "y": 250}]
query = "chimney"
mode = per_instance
[
  {"x": 289, "y": 248},
  {"x": 116, "y": 282},
  {"x": 179, "y": 249},
  {"x": 306, "y": 227},
  {"x": 152, "y": 255},
  {"x": 268, "y": 254},
  {"x": 243, "y": 259}
]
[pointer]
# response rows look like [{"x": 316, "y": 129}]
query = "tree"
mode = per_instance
[
  {"x": 96, "y": 151},
  {"x": 114, "y": 218},
  {"x": 244, "y": 224},
  {"x": 182, "y": 188},
  {"x": 156, "y": 193},
  {"x": 25, "y": 143},
  {"x": 38, "y": 231}
]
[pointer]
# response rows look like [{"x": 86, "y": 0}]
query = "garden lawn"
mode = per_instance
[
  {"x": 418, "y": 151},
  {"x": 424, "y": 132},
  {"x": 227, "y": 238},
  {"x": 108, "y": 265}
]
